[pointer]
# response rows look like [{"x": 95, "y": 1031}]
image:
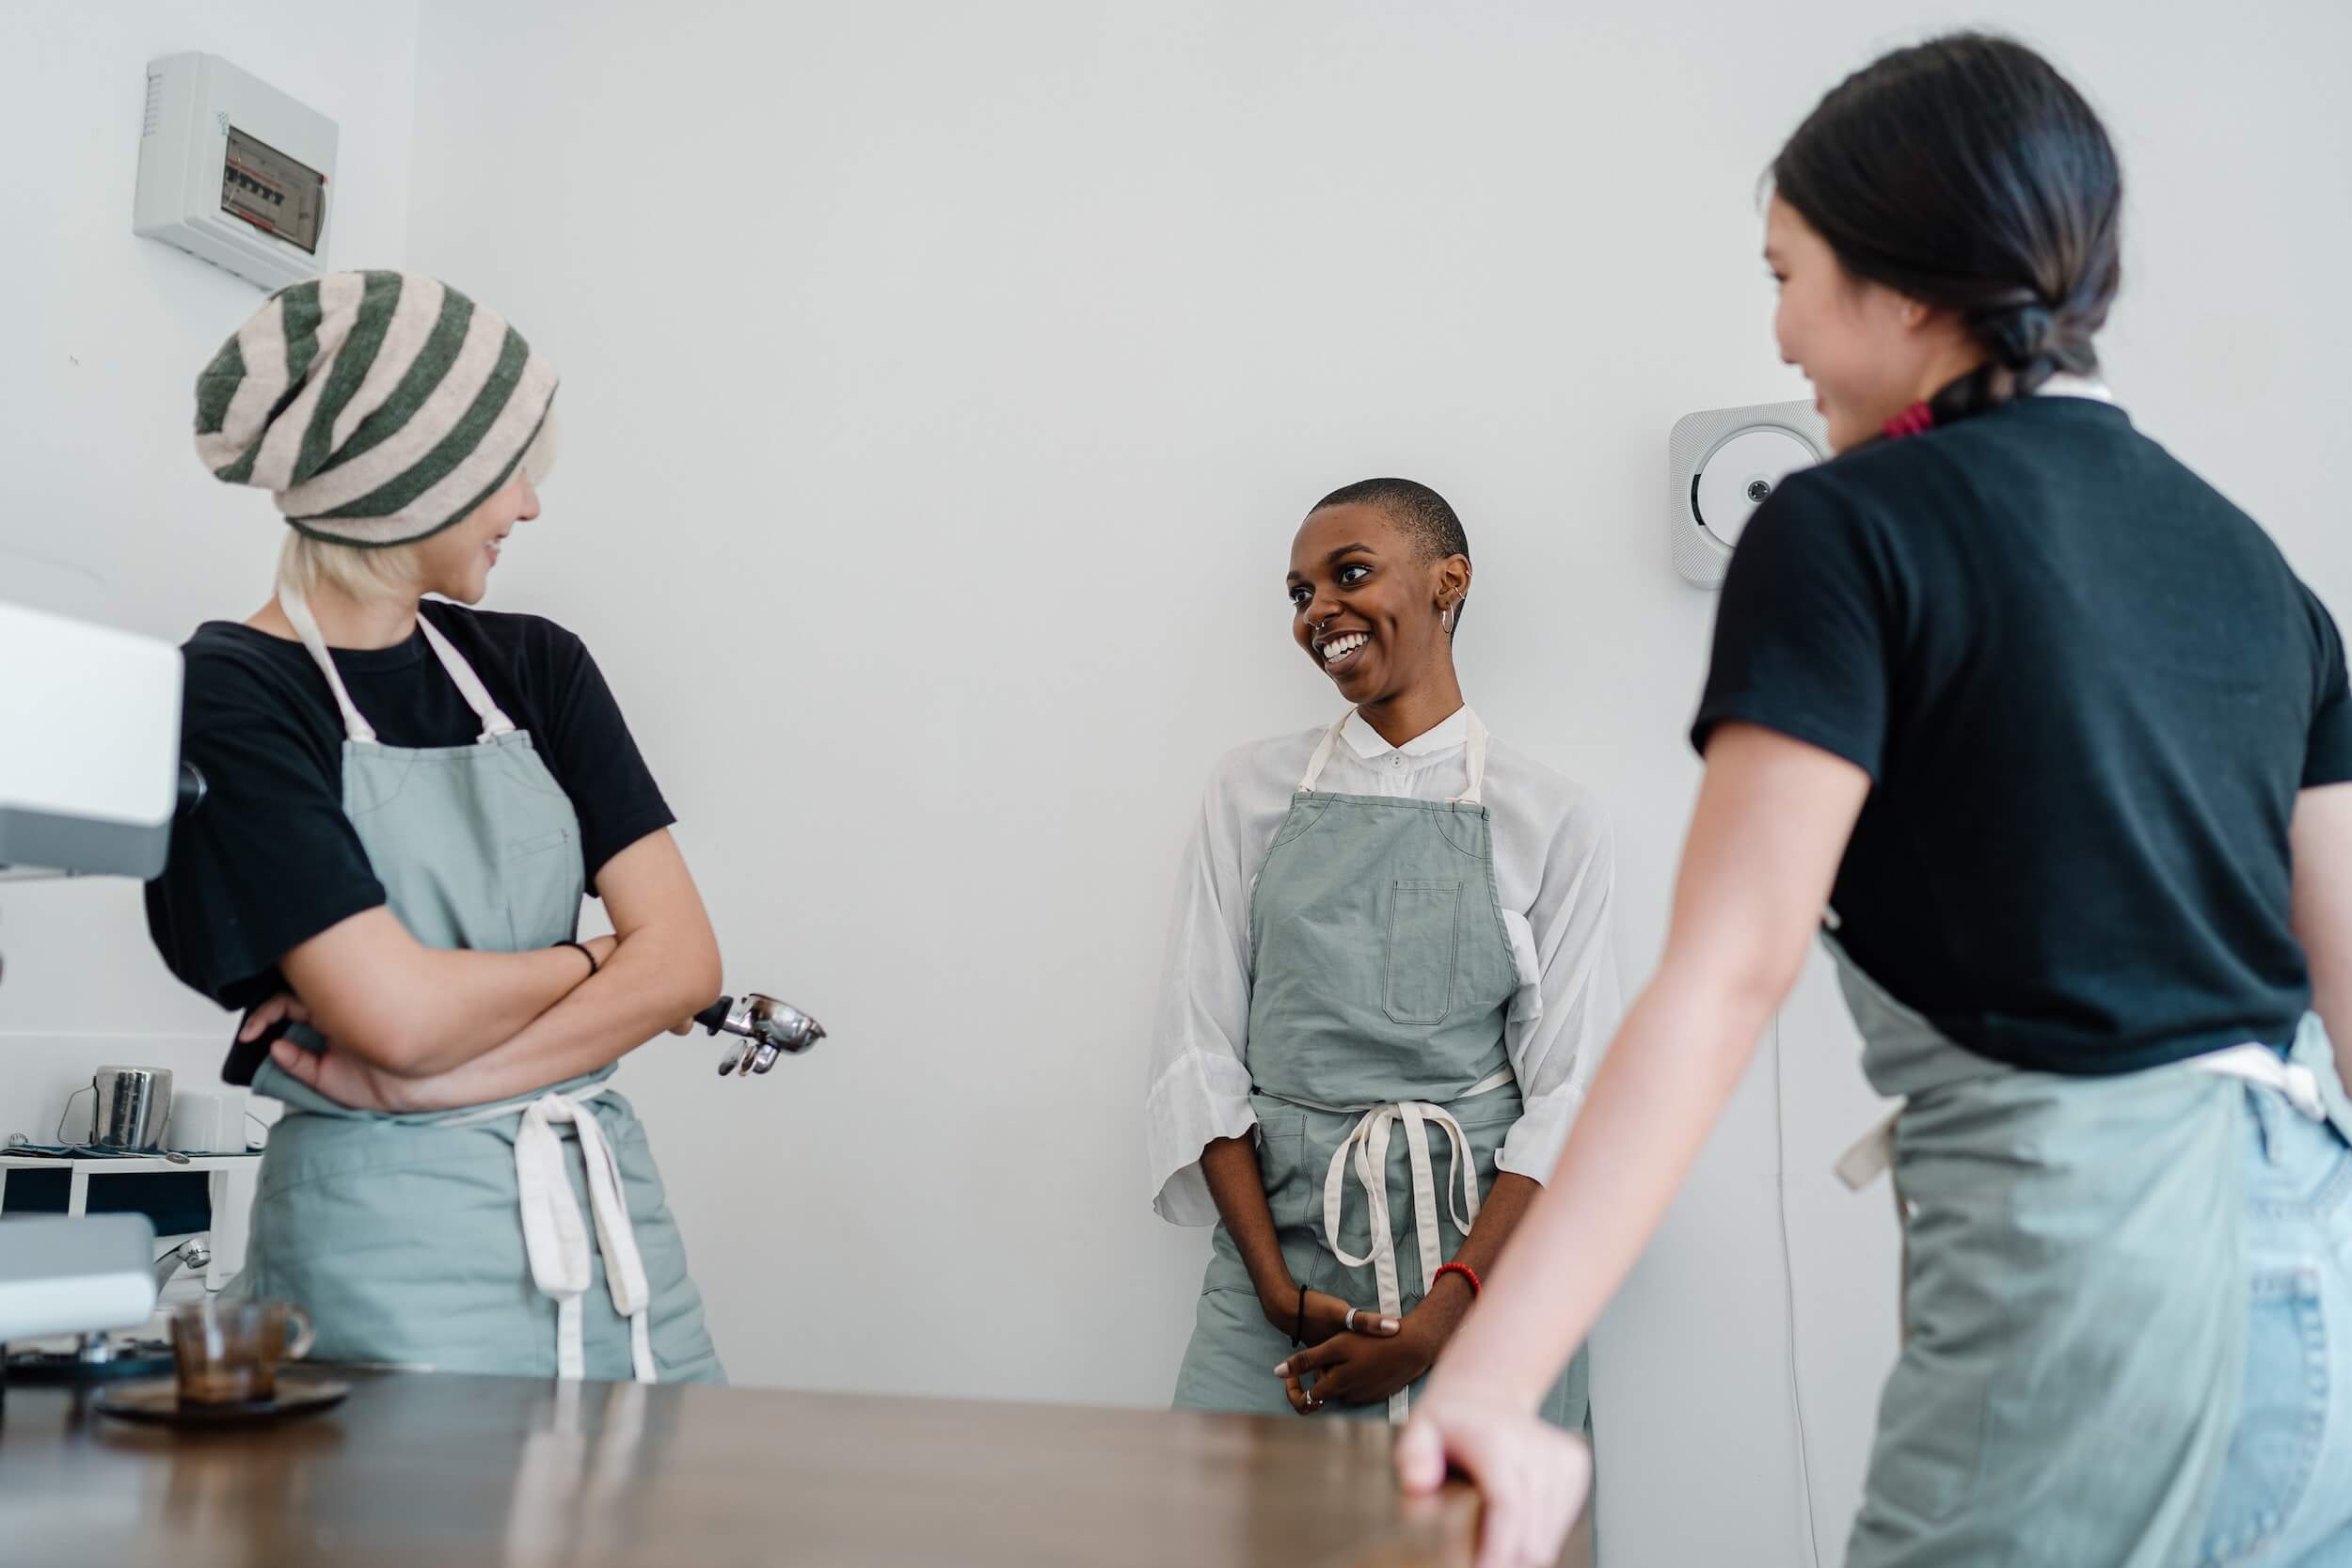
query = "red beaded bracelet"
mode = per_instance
[{"x": 1465, "y": 1271}]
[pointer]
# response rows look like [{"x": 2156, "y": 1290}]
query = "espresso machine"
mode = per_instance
[{"x": 90, "y": 780}]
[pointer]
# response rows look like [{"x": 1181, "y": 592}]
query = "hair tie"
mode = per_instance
[{"x": 2019, "y": 337}]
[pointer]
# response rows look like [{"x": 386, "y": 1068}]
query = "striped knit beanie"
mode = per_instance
[{"x": 380, "y": 408}]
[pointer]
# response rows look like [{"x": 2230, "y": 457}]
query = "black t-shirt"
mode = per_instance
[
  {"x": 2086, "y": 690},
  {"x": 269, "y": 861}
]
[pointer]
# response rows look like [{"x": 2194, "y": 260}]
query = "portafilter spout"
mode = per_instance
[{"x": 767, "y": 1028}]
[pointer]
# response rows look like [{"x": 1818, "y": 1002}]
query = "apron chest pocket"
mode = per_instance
[
  {"x": 554, "y": 838},
  {"x": 1424, "y": 942},
  {"x": 540, "y": 882}
]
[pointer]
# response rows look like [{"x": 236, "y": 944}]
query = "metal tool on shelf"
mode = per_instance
[
  {"x": 23, "y": 1149},
  {"x": 765, "y": 1028}
]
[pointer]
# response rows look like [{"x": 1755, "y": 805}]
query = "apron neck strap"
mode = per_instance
[
  {"x": 494, "y": 721},
  {"x": 1473, "y": 760},
  {"x": 298, "y": 610},
  {"x": 1473, "y": 756},
  {"x": 306, "y": 625},
  {"x": 1322, "y": 752}
]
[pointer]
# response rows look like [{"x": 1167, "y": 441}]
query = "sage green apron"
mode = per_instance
[
  {"x": 2075, "y": 1296},
  {"x": 1381, "y": 978},
  {"x": 456, "y": 1241}
]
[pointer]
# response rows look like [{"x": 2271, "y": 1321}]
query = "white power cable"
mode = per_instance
[{"x": 1789, "y": 1279}]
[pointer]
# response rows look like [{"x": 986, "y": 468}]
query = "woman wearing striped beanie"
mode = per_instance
[{"x": 409, "y": 798}]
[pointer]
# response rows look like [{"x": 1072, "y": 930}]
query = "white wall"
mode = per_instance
[
  {"x": 106, "y": 512},
  {"x": 943, "y": 384}
]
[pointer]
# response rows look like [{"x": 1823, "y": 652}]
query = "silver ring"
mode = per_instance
[
  {"x": 1314, "y": 1403},
  {"x": 1351, "y": 1320}
]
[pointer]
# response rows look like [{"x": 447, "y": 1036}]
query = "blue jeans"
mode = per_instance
[{"x": 2285, "y": 1497}]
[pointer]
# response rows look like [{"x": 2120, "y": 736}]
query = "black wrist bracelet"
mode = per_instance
[
  {"x": 581, "y": 948},
  {"x": 1298, "y": 1329}
]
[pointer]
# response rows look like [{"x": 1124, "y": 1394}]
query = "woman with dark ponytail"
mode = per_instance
[{"x": 2049, "y": 742}]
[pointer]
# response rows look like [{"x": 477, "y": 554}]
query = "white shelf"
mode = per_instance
[
  {"x": 140, "y": 1165},
  {"x": 218, "y": 1170}
]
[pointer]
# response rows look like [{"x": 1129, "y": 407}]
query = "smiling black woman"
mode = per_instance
[{"x": 1387, "y": 979}]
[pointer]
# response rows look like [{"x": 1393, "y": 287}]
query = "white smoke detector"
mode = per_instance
[{"x": 1725, "y": 463}]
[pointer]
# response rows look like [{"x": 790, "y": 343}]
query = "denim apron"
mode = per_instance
[
  {"x": 1381, "y": 978},
  {"x": 456, "y": 1241},
  {"x": 2091, "y": 1369}
]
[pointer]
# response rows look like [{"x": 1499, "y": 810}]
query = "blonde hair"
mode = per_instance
[
  {"x": 363, "y": 573},
  {"x": 368, "y": 573}
]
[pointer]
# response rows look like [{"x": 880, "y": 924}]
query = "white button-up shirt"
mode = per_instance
[{"x": 1554, "y": 874}]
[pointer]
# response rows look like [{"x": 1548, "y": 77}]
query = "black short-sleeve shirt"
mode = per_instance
[
  {"x": 2087, "y": 688},
  {"x": 269, "y": 861}
]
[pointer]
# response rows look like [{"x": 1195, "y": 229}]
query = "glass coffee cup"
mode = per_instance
[{"x": 230, "y": 1351}]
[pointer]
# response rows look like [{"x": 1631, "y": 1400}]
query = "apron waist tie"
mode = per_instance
[
  {"x": 2259, "y": 1064},
  {"x": 1874, "y": 1152},
  {"x": 555, "y": 1236},
  {"x": 1366, "y": 1147}
]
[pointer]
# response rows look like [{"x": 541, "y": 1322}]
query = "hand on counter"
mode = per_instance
[{"x": 1532, "y": 1479}]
